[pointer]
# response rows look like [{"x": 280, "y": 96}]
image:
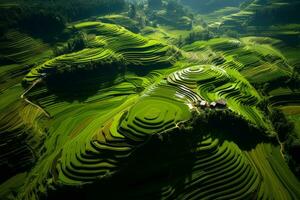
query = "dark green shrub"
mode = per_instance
[
  {"x": 154, "y": 4},
  {"x": 196, "y": 36},
  {"x": 43, "y": 24},
  {"x": 282, "y": 126}
]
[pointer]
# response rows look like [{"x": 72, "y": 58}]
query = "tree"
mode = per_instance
[
  {"x": 282, "y": 126},
  {"x": 154, "y": 4},
  {"x": 294, "y": 80},
  {"x": 174, "y": 7},
  {"x": 43, "y": 23},
  {"x": 132, "y": 11},
  {"x": 195, "y": 36},
  {"x": 295, "y": 150},
  {"x": 263, "y": 105},
  {"x": 232, "y": 33}
]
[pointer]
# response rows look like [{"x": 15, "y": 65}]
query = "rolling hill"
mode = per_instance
[{"x": 102, "y": 112}]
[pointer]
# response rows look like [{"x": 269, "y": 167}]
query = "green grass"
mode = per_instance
[
  {"x": 279, "y": 182},
  {"x": 100, "y": 122}
]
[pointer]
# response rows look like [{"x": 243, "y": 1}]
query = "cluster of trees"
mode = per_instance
[
  {"x": 293, "y": 150},
  {"x": 207, "y": 6},
  {"x": 155, "y": 4},
  {"x": 72, "y": 81},
  {"x": 42, "y": 23},
  {"x": 282, "y": 126},
  {"x": 294, "y": 81},
  {"x": 174, "y": 7},
  {"x": 9, "y": 16},
  {"x": 231, "y": 33},
  {"x": 137, "y": 13},
  {"x": 236, "y": 128},
  {"x": 229, "y": 120},
  {"x": 132, "y": 13},
  {"x": 76, "y": 43},
  {"x": 199, "y": 35},
  {"x": 286, "y": 135},
  {"x": 47, "y": 19},
  {"x": 171, "y": 13},
  {"x": 229, "y": 124}
]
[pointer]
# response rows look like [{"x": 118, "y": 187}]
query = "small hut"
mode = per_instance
[
  {"x": 218, "y": 104},
  {"x": 221, "y": 103},
  {"x": 213, "y": 104},
  {"x": 203, "y": 104}
]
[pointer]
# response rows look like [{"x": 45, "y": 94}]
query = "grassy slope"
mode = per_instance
[
  {"x": 20, "y": 132},
  {"x": 91, "y": 139},
  {"x": 109, "y": 47},
  {"x": 254, "y": 57},
  {"x": 283, "y": 24}
]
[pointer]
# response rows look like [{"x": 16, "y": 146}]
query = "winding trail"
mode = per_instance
[{"x": 30, "y": 102}]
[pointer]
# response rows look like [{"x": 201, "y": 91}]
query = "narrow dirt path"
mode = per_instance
[{"x": 30, "y": 102}]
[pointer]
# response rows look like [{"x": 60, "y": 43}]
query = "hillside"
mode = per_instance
[
  {"x": 211, "y": 5},
  {"x": 267, "y": 18},
  {"x": 130, "y": 103}
]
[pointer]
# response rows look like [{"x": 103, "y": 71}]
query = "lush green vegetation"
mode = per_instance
[
  {"x": 47, "y": 19},
  {"x": 211, "y": 5},
  {"x": 149, "y": 100}
]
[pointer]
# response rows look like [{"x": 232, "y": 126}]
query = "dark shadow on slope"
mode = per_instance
[
  {"x": 206, "y": 6},
  {"x": 166, "y": 162},
  {"x": 16, "y": 153},
  {"x": 153, "y": 167},
  {"x": 227, "y": 125},
  {"x": 82, "y": 83}
]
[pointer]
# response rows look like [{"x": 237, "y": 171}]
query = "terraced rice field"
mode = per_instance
[
  {"x": 255, "y": 57},
  {"x": 18, "y": 52},
  {"x": 111, "y": 45},
  {"x": 212, "y": 83},
  {"x": 20, "y": 48},
  {"x": 265, "y": 18},
  {"x": 18, "y": 119},
  {"x": 127, "y": 129}
]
